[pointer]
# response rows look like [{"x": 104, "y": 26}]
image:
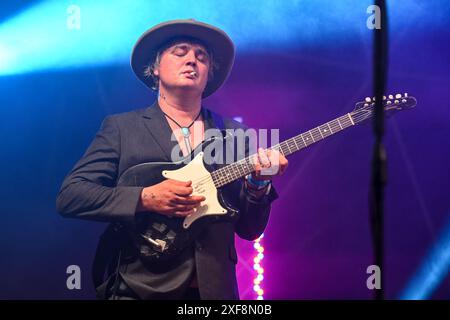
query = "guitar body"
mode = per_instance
[{"x": 159, "y": 237}]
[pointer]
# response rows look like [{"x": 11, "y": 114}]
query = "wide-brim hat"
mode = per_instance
[{"x": 217, "y": 41}]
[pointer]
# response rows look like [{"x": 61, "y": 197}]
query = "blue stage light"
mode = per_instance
[
  {"x": 433, "y": 270},
  {"x": 58, "y": 34},
  {"x": 63, "y": 34}
]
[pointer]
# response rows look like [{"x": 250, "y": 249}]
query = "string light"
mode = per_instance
[{"x": 258, "y": 268}]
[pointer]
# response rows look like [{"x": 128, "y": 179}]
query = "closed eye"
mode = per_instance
[{"x": 182, "y": 50}]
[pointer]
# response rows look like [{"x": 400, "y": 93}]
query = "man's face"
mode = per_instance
[{"x": 178, "y": 61}]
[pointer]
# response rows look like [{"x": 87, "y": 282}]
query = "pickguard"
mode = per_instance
[{"x": 203, "y": 185}]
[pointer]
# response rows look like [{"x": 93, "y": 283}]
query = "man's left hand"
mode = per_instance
[{"x": 269, "y": 163}]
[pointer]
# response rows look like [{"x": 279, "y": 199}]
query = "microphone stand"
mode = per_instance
[{"x": 379, "y": 174}]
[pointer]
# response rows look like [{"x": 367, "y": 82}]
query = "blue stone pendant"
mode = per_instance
[{"x": 185, "y": 131}]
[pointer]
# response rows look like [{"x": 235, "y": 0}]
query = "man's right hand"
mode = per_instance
[{"x": 171, "y": 198}]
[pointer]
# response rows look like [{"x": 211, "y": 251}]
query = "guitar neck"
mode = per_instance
[{"x": 245, "y": 166}]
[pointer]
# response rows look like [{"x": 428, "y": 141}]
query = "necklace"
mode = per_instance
[{"x": 185, "y": 130}]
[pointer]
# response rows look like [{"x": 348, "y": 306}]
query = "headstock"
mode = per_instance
[{"x": 391, "y": 103}]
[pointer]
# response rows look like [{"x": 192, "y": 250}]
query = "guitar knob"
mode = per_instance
[
  {"x": 391, "y": 96},
  {"x": 389, "y": 102},
  {"x": 403, "y": 100},
  {"x": 396, "y": 102},
  {"x": 398, "y": 96},
  {"x": 384, "y": 97},
  {"x": 368, "y": 99}
]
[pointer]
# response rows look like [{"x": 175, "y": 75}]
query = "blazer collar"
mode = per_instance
[{"x": 159, "y": 127}]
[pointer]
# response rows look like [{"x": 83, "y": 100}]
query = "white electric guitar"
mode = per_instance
[{"x": 159, "y": 237}]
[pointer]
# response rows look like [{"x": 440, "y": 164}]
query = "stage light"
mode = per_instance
[
  {"x": 432, "y": 271},
  {"x": 259, "y": 270},
  {"x": 57, "y": 34}
]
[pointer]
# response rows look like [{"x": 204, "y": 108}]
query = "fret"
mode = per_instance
[
  {"x": 339, "y": 123},
  {"x": 224, "y": 177},
  {"x": 287, "y": 145},
  {"x": 243, "y": 167},
  {"x": 304, "y": 143},
  {"x": 325, "y": 131},
  {"x": 331, "y": 130},
  {"x": 298, "y": 143},
  {"x": 308, "y": 139},
  {"x": 250, "y": 166},
  {"x": 316, "y": 136},
  {"x": 295, "y": 142},
  {"x": 345, "y": 122},
  {"x": 350, "y": 117},
  {"x": 292, "y": 145},
  {"x": 283, "y": 152},
  {"x": 335, "y": 125},
  {"x": 235, "y": 171},
  {"x": 311, "y": 135},
  {"x": 240, "y": 170},
  {"x": 320, "y": 131}
]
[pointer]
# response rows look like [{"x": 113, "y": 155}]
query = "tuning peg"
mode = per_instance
[
  {"x": 391, "y": 96},
  {"x": 398, "y": 96},
  {"x": 368, "y": 99}
]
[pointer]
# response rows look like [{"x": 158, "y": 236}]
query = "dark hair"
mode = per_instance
[{"x": 150, "y": 68}]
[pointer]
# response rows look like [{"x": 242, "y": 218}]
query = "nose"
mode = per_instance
[{"x": 191, "y": 59}]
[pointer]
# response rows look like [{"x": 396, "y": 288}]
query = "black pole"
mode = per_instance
[{"x": 379, "y": 174}]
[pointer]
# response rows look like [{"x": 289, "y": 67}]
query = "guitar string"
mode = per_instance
[
  {"x": 356, "y": 117},
  {"x": 224, "y": 178},
  {"x": 245, "y": 161}
]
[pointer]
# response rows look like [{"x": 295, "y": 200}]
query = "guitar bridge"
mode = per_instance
[{"x": 158, "y": 244}]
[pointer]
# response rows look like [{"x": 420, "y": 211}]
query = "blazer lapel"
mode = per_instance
[{"x": 159, "y": 128}]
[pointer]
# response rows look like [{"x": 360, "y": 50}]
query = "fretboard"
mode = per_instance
[{"x": 245, "y": 166}]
